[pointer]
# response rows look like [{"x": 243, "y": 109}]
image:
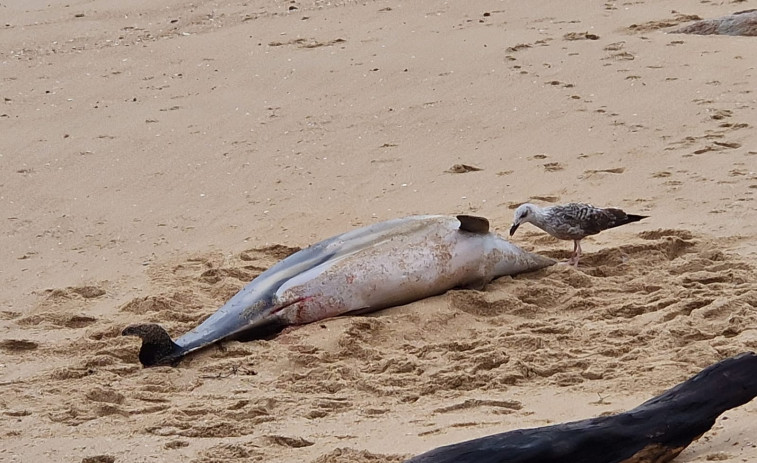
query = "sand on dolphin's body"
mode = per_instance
[{"x": 157, "y": 156}]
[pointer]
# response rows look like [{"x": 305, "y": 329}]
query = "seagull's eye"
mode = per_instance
[{"x": 524, "y": 215}]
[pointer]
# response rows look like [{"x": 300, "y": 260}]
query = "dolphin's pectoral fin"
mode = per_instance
[
  {"x": 477, "y": 285},
  {"x": 473, "y": 224},
  {"x": 267, "y": 330},
  {"x": 360, "y": 311},
  {"x": 157, "y": 346}
]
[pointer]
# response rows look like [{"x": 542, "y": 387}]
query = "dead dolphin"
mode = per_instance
[{"x": 370, "y": 268}]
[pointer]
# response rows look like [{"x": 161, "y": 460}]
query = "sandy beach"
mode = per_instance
[{"x": 156, "y": 156}]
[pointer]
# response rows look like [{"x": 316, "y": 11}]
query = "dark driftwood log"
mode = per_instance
[{"x": 654, "y": 432}]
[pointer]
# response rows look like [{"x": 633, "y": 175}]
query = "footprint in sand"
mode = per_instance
[{"x": 15, "y": 346}]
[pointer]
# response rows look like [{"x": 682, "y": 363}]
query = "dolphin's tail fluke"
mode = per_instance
[{"x": 157, "y": 346}]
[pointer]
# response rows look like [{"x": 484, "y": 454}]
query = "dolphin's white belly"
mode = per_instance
[{"x": 402, "y": 269}]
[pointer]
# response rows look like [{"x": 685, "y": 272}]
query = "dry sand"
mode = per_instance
[{"x": 157, "y": 155}]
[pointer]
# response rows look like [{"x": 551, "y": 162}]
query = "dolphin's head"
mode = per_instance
[{"x": 524, "y": 213}]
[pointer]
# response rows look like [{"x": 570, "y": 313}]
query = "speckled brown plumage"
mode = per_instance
[{"x": 572, "y": 221}]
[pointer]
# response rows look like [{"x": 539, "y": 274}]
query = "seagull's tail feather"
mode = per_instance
[
  {"x": 635, "y": 218},
  {"x": 613, "y": 217}
]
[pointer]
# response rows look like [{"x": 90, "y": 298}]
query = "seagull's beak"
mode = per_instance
[{"x": 513, "y": 228}]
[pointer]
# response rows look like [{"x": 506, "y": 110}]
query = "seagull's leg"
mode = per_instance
[
  {"x": 573, "y": 258},
  {"x": 577, "y": 252}
]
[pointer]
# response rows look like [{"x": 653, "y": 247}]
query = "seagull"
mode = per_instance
[{"x": 572, "y": 221}]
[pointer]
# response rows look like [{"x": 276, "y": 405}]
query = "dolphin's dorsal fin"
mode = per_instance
[{"x": 473, "y": 224}]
